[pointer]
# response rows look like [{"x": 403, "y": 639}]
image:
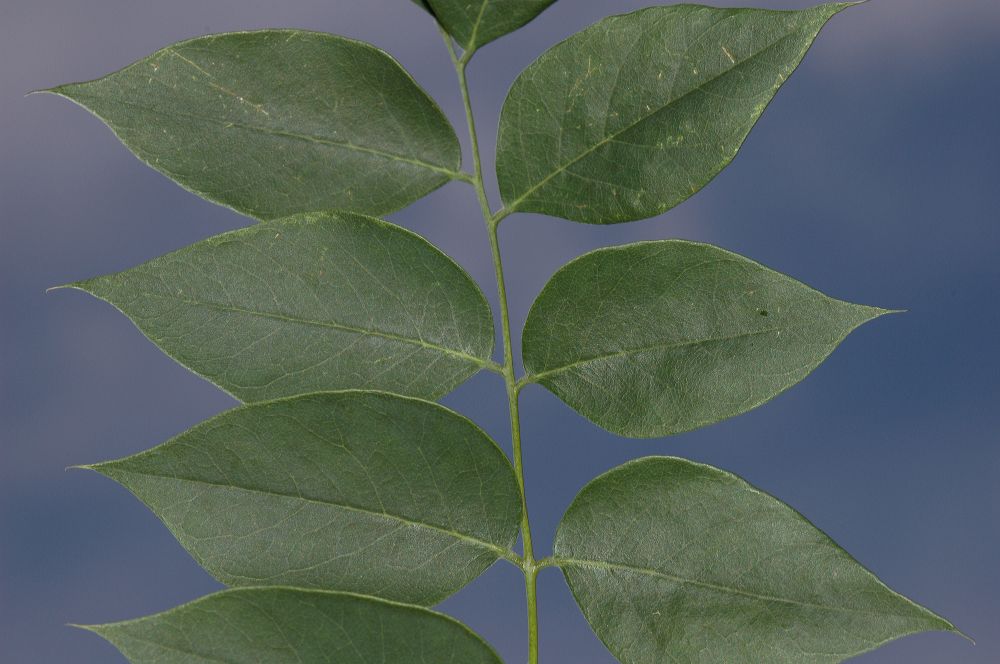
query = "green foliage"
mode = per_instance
[
  {"x": 657, "y": 338},
  {"x": 473, "y": 24},
  {"x": 664, "y": 556},
  {"x": 323, "y": 301},
  {"x": 359, "y": 491},
  {"x": 337, "y": 478},
  {"x": 277, "y": 122},
  {"x": 638, "y": 112},
  {"x": 289, "y": 625}
]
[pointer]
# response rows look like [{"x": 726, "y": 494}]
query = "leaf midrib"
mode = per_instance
[
  {"x": 309, "y": 138},
  {"x": 563, "y": 562},
  {"x": 663, "y": 345},
  {"x": 482, "y": 363},
  {"x": 614, "y": 135},
  {"x": 475, "y": 28},
  {"x": 469, "y": 539}
]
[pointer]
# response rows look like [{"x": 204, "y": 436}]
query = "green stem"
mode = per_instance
[
  {"x": 528, "y": 565},
  {"x": 527, "y": 562}
]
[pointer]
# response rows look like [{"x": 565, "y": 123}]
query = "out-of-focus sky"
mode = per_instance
[{"x": 875, "y": 177}]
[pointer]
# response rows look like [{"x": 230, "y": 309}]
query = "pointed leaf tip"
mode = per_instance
[
  {"x": 663, "y": 555},
  {"x": 244, "y": 120},
  {"x": 688, "y": 109},
  {"x": 314, "y": 302},
  {"x": 74, "y": 285},
  {"x": 39, "y": 92},
  {"x": 627, "y": 337},
  {"x": 395, "y": 496},
  {"x": 289, "y": 626}
]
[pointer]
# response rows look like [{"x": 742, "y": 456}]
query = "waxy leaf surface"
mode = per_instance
[
  {"x": 365, "y": 492},
  {"x": 278, "y": 122},
  {"x": 292, "y": 626},
  {"x": 656, "y": 338},
  {"x": 476, "y": 22},
  {"x": 674, "y": 561},
  {"x": 315, "y": 302},
  {"x": 638, "y": 112}
]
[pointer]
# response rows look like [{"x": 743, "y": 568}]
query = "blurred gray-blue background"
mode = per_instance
[{"x": 873, "y": 177}]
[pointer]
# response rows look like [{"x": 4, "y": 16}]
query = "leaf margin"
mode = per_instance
[
  {"x": 507, "y": 554},
  {"x": 532, "y": 377},
  {"x": 483, "y": 363},
  {"x": 515, "y": 206},
  {"x": 451, "y": 175},
  {"x": 414, "y": 608},
  {"x": 559, "y": 561}
]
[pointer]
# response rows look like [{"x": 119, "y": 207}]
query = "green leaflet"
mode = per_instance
[
  {"x": 277, "y": 122},
  {"x": 674, "y": 561},
  {"x": 656, "y": 338},
  {"x": 358, "y": 491},
  {"x": 474, "y": 23},
  {"x": 294, "y": 626},
  {"x": 315, "y": 302},
  {"x": 638, "y": 112},
  {"x": 338, "y": 491}
]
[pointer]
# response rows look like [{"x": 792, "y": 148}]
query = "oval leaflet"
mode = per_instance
[
  {"x": 672, "y": 560},
  {"x": 323, "y": 301},
  {"x": 635, "y": 114},
  {"x": 277, "y": 122},
  {"x": 357, "y": 491},
  {"x": 656, "y": 338}
]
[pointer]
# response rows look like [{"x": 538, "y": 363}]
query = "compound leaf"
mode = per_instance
[
  {"x": 314, "y": 302},
  {"x": 478, "y": 22},
  {"x": 638, "y": 112},
  {"x": 674, "y": 561},
  {"x": 656, "y": 338},
  {"x": 278, "y": 122},
  {"x": 358, "y": 491},
  {"x": 293, "y": 626}
]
